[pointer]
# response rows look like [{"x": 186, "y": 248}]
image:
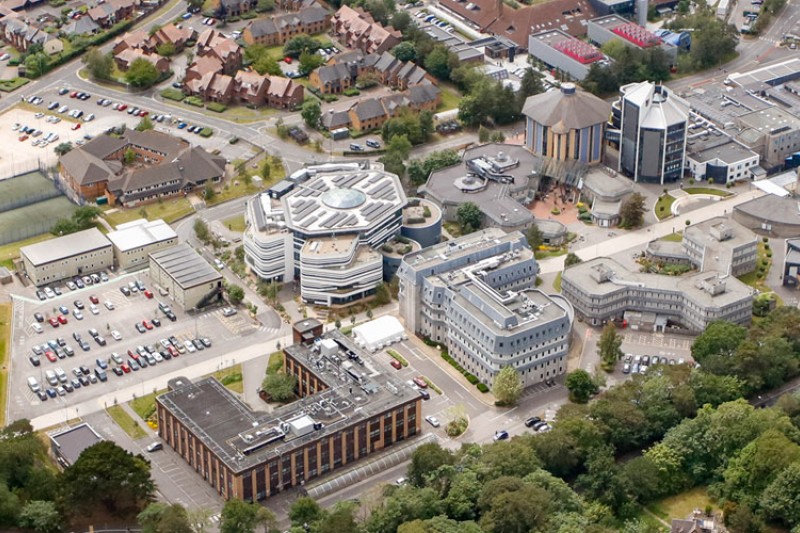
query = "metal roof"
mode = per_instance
[
  {"x": 141, "y": 233},
  {"x": 64, "y": 247},
  {"x": 185, "y": 266}
]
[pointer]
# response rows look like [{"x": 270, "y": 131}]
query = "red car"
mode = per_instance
[
  {"x": 123, "y": 107},
  {"x": 125, "y": 368},
  {"x": 147, "y": 324},
  {"x": 148, "y": 294},
  {"x": 395, "y": 363},
  {"x": 172, "y": 351},
  {"x": 421, "y": 383},
  {"x": 76, "y": 127},
  {"x": 50, "y": 356},
  {"x": 94, "y": 299},
  {"x": 53, "y": 321},
  {"x": 73, "y": 94},
  {"x": 143, "y": 113},
  {"x": 62, "y": 319}
]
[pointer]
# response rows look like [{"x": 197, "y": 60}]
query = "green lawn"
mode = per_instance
[
  {"x": 231, "y": 377},
  {"x": 235, "y": 223},
  {"x": 145, "y": 406},
  {"x": 231, "y": 191},
  {"x": 169, "y": 210},
  {"x": 453, "y": 229},
  {"x": 557, "y": 282},
  {"x": 681, "y": 505},
  {"x": 128, "y": 424},
  {"x": 10, "y": 251},
  {"x": 450, "y": 100},
  {"x": 664, "y": 206},
  {"x": 754, "y": 279},
  {"x": 706, "y": 190},
  {"x": 12, "y": 84},
  {"x": 673, "y": 237},
  {"x": 544, "y": 254},
  {"x": 5, "y": 335}
]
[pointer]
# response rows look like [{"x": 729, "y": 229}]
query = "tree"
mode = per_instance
[
  {"x": 419, "y": 171},
  {"x": 608, "y": 347},
  {"x": 99, "y": 65},
  {"x": 201, "y": 230},
  {"x": 580, "y": 385},
  {"x": 128, "y": 157},
  {"x": 382, "y": 294},
  {"x": 400, "y": 21},
  {"x": 238, "y": 517},
  {"x": 397, "y": 151},
  {"x": 63, "y": 148},
  {"x": 571, "y": 259},
  {"x": 110, "y": 475},
  {"x": 781, "y": 499},
  {"x": 261, "y": 60},
  {"x": 280, "y": 386},
  {"x": 523, "y": 510},
  {"x": 162, "y": 518},
  {"x": 305, "y": 510},
  {"x": 426, "y": 460},
  {"x": 309, "y": 61},
  {"x": 531, "y": 84},
  {"x": 262, "y": 6},
  {"x": 141, "y": 73},
  {"x": 299, "y": 44},
  {"x": 405, "y": 51},
  {"x": 311, "y": 114},
  {"x": 632, "y": 211},
  {"x": 166, "y": 49},
  {"x": 200, "y": 519},
  {"x": 145, "y": 124},
  {"x": 41, "y": 516},
  {"x": 507, "y": 386},
  {"x": 35, "y": 64},
  {"x": 438, "y": 62},
  {"x": 535, "y": 239},
  {"x": 719, "y": 339},
  {"x": 469, "y": 217},
  {"x": 85, "y": 216},
  {"x": 235, "y": 294}
]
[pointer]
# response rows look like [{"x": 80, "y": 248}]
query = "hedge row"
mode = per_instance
[
  {"x": 206, "y": 132},
  {"x": 397, "y": 356},
  {"x": 216, "y": 107},
  {"x": 173, "y": 94},
  {"x": 470, "y": 377},
  {"x": 194, "y": 100}
]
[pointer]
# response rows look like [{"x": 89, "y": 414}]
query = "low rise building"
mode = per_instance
[
  {"x": 615, "y": 28},
  {"x": 476, "y": 295},
  {"x": 68, "y": 444},
  {"x": 135, "y": 240},
  {"x": 604, "y": 190},
  {"x": 188, "y": 279},
  {"x": 278, "y": 30},
  {"x": 603, "y": 290},
  {"x": 773, "y": 133},
  {"x": 77, "y": 254},
  {"x": 351, "y": 405},
  {"x": 562, "y": 51},
  {"x": 358, "y": 30},
  {"x": 724, "y": 161}
]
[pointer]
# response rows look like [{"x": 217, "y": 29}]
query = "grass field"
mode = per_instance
[
  {"x": 450, "y": 100},
  {"x": 5, "y": 335},
  {"x": 232, "y": 190},
  {"x": 169, "y": 210},
  {"x": 557, "y": 282},
  {"x": 28, "y": 188},
  {"x": 145, "y": 406},
  {"x": 25, "y": 222},
  {"x": 231, "y": 377},
  {"x": 663, "y": 207},
  {"x": 128, "y": 424},
  {"x": 706, "y": 190},
  {"x": 681, "y": 505},
  {"x": 235, "y": 223},
  {"x": 10, "y": 251},
  {"x": 12, "y": 84},
  {"x": 753, "y": 278},
  {"x": 673, "y": 237}
]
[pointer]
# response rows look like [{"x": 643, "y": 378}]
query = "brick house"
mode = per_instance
[
  {"x": 284, "y": 93},
  {"x": 278, "y": 30},
  {"x": 372, "y": 113},
  {"x": 213, "y": 43},
  {"x": 233, "y": 8},
  {"x": 341, "y": 75},
  {"x": 125, "y": 58},
  {"x": 20, "y": 35},
  {"x": 112, "y": 11},
  {"x": 172, "y": 34},
  {"x": 357, "y": 29}
]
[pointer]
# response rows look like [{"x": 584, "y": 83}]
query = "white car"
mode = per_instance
[
  {"x": 432, "y": 420},
  {"x": 109, "y": 305},
  {"x": 189, "y": 346},
  {"x": 37, "y": 327},
  {"x": 78, "y": 314},
  {"x": 94, "y": 309},
  {"x": 116, "y": 336}
]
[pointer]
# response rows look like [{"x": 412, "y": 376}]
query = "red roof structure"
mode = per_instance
[
  {"x": 636, "y": 34},
  {"x": 579, "y": 51}
]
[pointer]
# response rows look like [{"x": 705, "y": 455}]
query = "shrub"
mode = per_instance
[
  {"x": 397, "y": 356},
  {"x": 769, "y": 253},
  {"x": 234, "y": 18},
  {"x": 172, "y": 94},
  {"x": 216, "y": 107},
  {"x": 351, "y": 92},
  {"x": 194, "y": 100},
  {"x": 206, "y": 132},
  {"x": 483, "y": 388},
  {"x": 249, "y": 15},
  {"x": 555, "y": 211},
  {"x": 473, "y": 380}
]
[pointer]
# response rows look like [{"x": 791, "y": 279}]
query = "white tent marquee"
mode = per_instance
[{"x": 379, "y": 333}]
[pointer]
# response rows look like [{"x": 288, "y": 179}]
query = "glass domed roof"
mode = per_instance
[{"x": 343, "y": 198}]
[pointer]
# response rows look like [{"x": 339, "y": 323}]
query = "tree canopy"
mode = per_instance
[
  {"x": 507, "y": 386},
  {"x": 142, "y": 73},
  {"x": 470, "y": 217}
]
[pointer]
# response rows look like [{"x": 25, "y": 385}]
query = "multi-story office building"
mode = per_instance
[
  {"x": 476, "y": 296},
  {"x": 651, "y": 124},
  {"x": 325, "y": 230},
  {"x": 351, "y": 405},
  {"x": 602, "y": 290}
]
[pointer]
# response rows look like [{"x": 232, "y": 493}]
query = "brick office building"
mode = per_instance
[{"x": 350, "y": 406}]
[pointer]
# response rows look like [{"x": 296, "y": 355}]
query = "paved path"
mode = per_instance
[{"x": 641, "y": 237}]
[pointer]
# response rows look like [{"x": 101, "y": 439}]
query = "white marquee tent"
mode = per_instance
[{"x": 379, "y": 333}]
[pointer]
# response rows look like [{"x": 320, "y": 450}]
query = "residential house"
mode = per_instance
[
  {"x": 166, "y": 166},
  {"x": 357, "y": 29},
  {"x": 284, "y": 93},
  {"x": 277, "y": 30},
  {"x": 233, "y": 8},
  {"x": 295, "y": 5},
  {"x": 205, "y": 79},
  {"x": 21, "y": 35},
  {"x": 213, "y": 43},
  {"x": 372, "y": 113},
  {"x": 250, "y": 88},
  {"x": 368, "y": 114},
  {"x": 81, "y": 26},
  {"x": 125, "y": 58},
  {"x": 133, "y": 39},
  {"x": 21, "y": 5},
  {"x": 172, "y": 34},
  {"x": 332, "y": 79},
  {"x": 110, "y": 12},
  {"x": 341, "y": 75}
]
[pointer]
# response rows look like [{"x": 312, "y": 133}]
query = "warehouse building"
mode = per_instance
[
  {"x": 77, "y": 254},
  {"x": 135, "y": 240},
  {"x": 186, "y": 277},
  {"x": 351, "y": 405},
  {"x": 476, "y": 295}
]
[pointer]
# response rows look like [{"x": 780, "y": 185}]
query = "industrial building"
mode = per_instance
[
  {"x": 135, "y": 240},
  {"x": 476, "y": 295},
  {"x": 603, "y": 290},
  {"x": 566, "y": 125},
  {"x": 326, "y": 231},
  {"x": 77, "y": 254},
  {"x": 613, "y": 27},
  {"x": 562, "y": 51},
  {"x": 351, "y": 405},
  {"x": 188, "y": 279},
  {"x": 651, "y": 126}
]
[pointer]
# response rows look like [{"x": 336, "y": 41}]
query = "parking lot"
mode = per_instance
[{"x": 224, "y": 333}]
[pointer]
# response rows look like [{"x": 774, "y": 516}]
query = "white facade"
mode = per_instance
[
  {"x": 78, "y": 254},
  {"x": 379, "y": 333},
  {"x": 134, "y": 240}
]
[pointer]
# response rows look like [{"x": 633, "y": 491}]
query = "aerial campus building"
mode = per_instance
[
  {"x": 351, "y": 405},
  {"x": 602, "y": 290},
  {"x": 476, "y": 295},
  {"x": 324, "y": 226}
]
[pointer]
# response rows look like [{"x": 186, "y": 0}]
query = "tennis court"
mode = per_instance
[
  {"x": 23, "y": 222},
  {"x": 25, "y": 190}
]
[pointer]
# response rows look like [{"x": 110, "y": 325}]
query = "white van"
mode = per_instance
[
  {"x": 62, "y": 376},
  {"x": 33, "y": 384},
  {"x": 51, "y": 377}
]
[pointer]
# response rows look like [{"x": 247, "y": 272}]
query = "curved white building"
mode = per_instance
[{"x": 325, "y": 231}]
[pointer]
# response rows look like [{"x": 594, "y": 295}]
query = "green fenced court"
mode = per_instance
[
  {"x": 25, "y": 189},
  {"x": 34, "y": 219}
]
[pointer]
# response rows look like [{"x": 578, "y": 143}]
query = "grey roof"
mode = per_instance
[
  {"x": 336, "y": 120},
  {"x": 334, "y": 74},
  {"x": 419, "y": 94},
  {"x": 243, "y": 438},
  {"x": 261, "y": 27},
  {"x": 313, "y": 14},
  {"x": 185, "y": 266},
  {"x": 369, "y": 108},
  {"x": 71, "y": 442},
  {"x": 728, "y": 153},
  {"x": 86, "y": 168},
  {"x": 550, "y": 229},
  {"x": 606, "y": 186},
  {"x": 103, "y": 146},
  {"x": 563, "y": 112},
  {"x": 64, "y": 247},
  {"x": 772, "y": 208},
  {"x": 80, "y": 26}
]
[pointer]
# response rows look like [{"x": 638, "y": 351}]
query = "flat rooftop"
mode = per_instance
[
  {"x": 770, "y": 121},
  {"x": 730, "y": 152},
  {"x": 570, "y": 46},
  {"x": 607, "y": 183},
  {"x": 773, "y": 209},
  {"x": 67, "y": 246},
  {"x": 139, "y": 233},
  {"x": 627, "y": 30},
  {"x": 243, "y": 438},
  {"x": 185, "y": 266},
  {"x": 434, "y": 256},
  {"x": 719, "y": 253},
  {"x": 769, "y": 75},
  {"x": 71, "y": 442}
]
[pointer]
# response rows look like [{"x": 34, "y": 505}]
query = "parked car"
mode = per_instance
[
  {"x": 432, "y": 420},
  {"x": 500, "y": 435}
]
